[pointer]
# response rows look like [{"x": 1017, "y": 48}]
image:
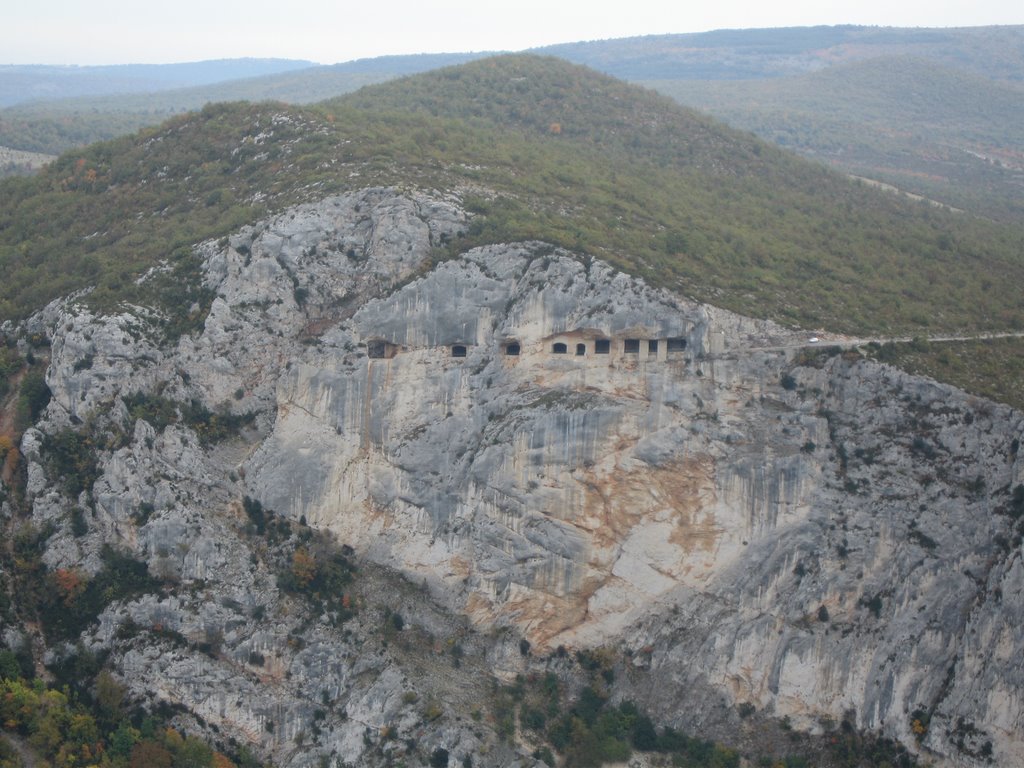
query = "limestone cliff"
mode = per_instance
[{"x": 557, "y": 450}]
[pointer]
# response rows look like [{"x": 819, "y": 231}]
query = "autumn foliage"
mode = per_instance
[{"x": 65, "y": 734}]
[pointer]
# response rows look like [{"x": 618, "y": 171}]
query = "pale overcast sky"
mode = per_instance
[{"x": 330, "y": 31}]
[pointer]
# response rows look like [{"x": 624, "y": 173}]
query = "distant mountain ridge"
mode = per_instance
[
  {"x": 726, "y": 54},
  {"x": 738, "y": 54},
  {"x": 931, "y": 112},
  {"x": 27, "y": 83},
  {"x": 943, "y": 132},
  {"x": 995, "y": 52}
]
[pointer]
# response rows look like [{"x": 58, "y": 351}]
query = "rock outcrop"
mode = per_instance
[{"x": 559, "y": 451}]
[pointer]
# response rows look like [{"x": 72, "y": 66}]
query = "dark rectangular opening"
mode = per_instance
[
  {"x": 675, "y": 345},
  {"x": 652, "y": 347},
  {"x": 559, "y": 348},
  {"x": 602, "y": 347},
  {"x": 458, "y": 350},
  {"x": 631, "y": 346},
  {"x": 581, "y": 349},
  {"x": 512, "y": 349},
  {"x": 378, "y": 349}
]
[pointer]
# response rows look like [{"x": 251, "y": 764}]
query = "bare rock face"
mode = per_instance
[
  {"x": 559, "y": 451},
  {"x": 532, "y": 437},
  {"x": 880, "y": 601}
]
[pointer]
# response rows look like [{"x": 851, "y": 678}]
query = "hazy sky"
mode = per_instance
[{"x": 330, "y": 31}]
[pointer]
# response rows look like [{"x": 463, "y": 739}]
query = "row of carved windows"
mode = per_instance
[
  {"x": 382, "y": 349},
  {"x": 603, "y": 347}
]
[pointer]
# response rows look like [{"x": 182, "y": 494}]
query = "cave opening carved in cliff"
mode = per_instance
[{"x": 378, "y": 349}]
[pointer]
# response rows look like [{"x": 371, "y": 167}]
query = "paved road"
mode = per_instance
[{"x": 849, "y": 341}]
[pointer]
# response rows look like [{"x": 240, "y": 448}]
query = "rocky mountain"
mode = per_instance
[
  {"x": 550, "y": 449},
  {"x": 371, "y": 477}
]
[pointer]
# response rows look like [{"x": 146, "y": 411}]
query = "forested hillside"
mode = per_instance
[
  {"x": 945, "y": 133},
  {"x": 933, "y": 112},
  {"x": 572, "y": 157}
]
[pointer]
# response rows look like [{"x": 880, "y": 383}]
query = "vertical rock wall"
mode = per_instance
[{"x": 814, "y": 535}]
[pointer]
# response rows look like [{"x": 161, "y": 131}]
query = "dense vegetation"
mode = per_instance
[
  {"x": 89, "y": 725},
  {"x": 313, "y": 567},
  {"x": 934, "y": 112},
  {"x": 572, "y": 157},
  {"x": 66, "y": 600},
  {"x": 106, "y": 215},
  {"x": 55, "y": 129},
  {"x": 943, "y": 132}
]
